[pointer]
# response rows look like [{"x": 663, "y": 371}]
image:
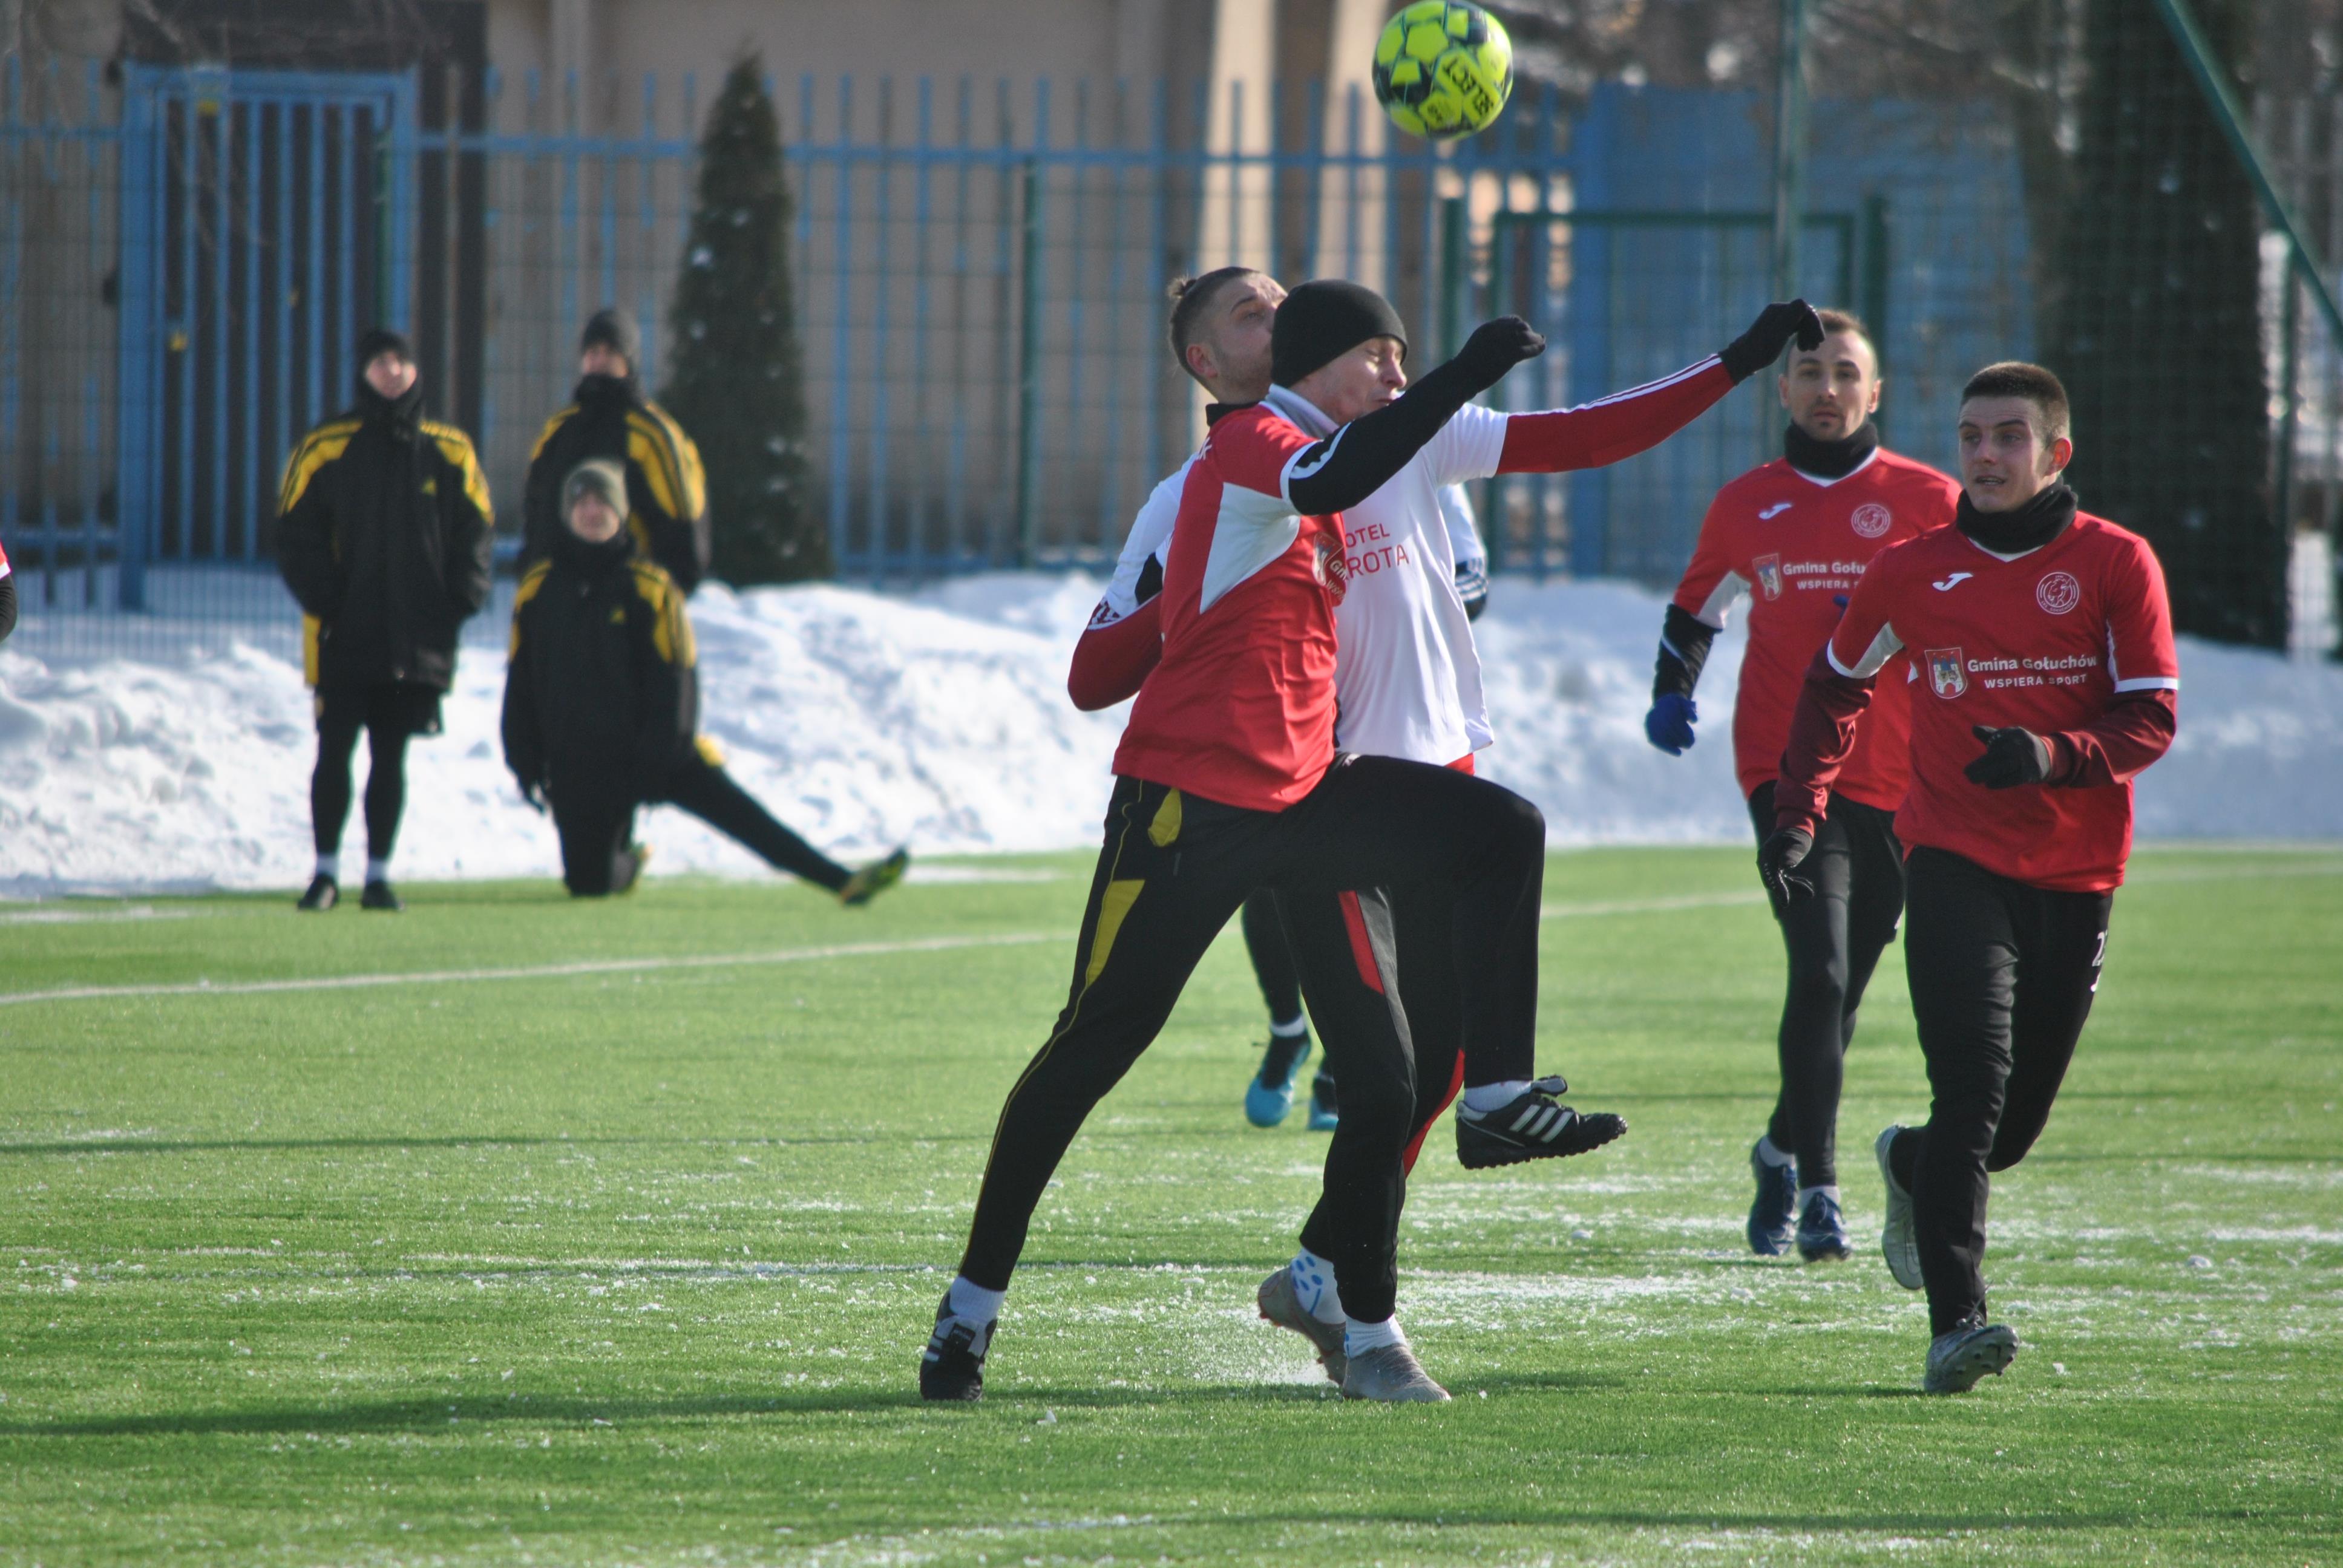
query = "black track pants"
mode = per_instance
[
  {"x": 2002, "y": 976},
  {"x": 1273, "y": 957},
  {"x": 1174, "y": 870},
  {"x": 709, "y": 793},
  {"x": 1833, "y": 941},
  {"x": 597, "y": 830}
]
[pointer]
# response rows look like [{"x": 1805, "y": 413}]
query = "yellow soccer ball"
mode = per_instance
[{"x": 1443, "y": 69}]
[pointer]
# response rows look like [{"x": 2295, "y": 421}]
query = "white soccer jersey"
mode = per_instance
[
  {"x": 1149, "y": 537},
  {"x": 1407, "y": 676}
]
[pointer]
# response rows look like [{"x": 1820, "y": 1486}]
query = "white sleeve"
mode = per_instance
[
  {"x": 1464, "y": 538},
  {"x": 1884, "y": 647},
  {"x": 1151, "y": 535},
  {"x": 1467, "y": 447}
]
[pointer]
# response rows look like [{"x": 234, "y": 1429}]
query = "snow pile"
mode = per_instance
[{"x": 940, "y": 719}]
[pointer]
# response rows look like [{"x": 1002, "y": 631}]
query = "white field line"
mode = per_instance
[
  {"x": 90, "y": 917},
  {"x": 877, "y": 949},
  {"x": 1653, "y": 906},
  {"x": 532, "y": 971}
]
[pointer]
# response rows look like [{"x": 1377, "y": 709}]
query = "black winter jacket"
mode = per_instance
[
  {"x": 383, "y": 535},
  {"x": 601, "y": 695},
  {"x": 667, "y": 493}
]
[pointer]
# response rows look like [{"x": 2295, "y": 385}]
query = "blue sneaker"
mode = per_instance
[
  {"x": 1822, "y": 1234},
  {"x": 1271, "y": 1093},
  {"x": 1774, "y": 1213},
  {"x": 1325, "y": 1111}
]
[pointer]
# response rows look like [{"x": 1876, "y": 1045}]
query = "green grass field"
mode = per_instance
[{"x": 631, "y": 1264}]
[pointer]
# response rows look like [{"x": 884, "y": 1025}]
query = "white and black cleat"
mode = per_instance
[
  {"x": 1533, "y": 1125},
  {"x": 952, "y": 1366},
  {"x": 1957, "y": 1361},
  {"x": 1899, "y": 1240}
]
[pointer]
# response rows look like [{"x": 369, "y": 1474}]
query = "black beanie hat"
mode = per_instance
[
  {"x": 384, "y": 340},
  {"x": 614, "y": 327},
  {"x": 1324, "y": 320}
]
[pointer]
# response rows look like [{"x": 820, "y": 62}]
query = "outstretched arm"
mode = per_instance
[{"x": 1355, "y": 462}]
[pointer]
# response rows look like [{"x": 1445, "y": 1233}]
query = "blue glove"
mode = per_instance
[{"x": 1669, "y": 723}]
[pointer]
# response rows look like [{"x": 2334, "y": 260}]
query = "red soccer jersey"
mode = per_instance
[
  {"x": 2046, "y": 642},
  {"x": 1797, "y": 545},
  {"x": 1240, "y": 709}
]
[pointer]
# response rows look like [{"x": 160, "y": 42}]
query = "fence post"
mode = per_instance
[
  {"x": 1789, "y": 149},
  {"x": 1873, "y": 294},
  {"x": 134, "y": 324},
  {"x": 1452, "y": 274},
  {"x": 2289, "y": 377},
  {"x": 1029, "y": 370}
]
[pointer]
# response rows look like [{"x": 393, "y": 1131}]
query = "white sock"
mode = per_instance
[
  {"x": 330, "y": 866},
  {"x": 1807, "y": 1192},
  {"x": 378, "y": 869},
  {"x": 1358, "y": 1336},
  {"x": 1313, "y": 1285},
  {"x": 1290, "y": 1027},
  {"x": 1482, "y": 1099},
  {"x": 974, "y": 1303},
  {"x": 1773, "y": 1156}
]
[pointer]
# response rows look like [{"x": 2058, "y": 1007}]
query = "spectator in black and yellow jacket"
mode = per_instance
[
  {"x": 666, "y": 510},
  {"x": 383, "y": 535},
  {"x": 602, "y": 707}
]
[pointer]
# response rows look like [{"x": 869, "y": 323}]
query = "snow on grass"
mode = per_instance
[{"x": 939, "y": 719}]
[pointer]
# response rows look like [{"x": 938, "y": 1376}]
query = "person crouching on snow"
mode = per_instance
[{"x": 602, "y": 703}]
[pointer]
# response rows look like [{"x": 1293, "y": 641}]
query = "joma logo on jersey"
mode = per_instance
[
  {"x": 1871, "y": 519},
  {"x": 1948, "y": 674},
  {"x": 2059, "y": 593},
  {"x": 1769, "y": 575}
]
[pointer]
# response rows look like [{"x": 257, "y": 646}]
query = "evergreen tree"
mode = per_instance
[
  {"x": 2159, "y": 337},
  {"x": 737, "y": 382}
]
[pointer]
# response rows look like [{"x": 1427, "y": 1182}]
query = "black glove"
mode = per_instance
[
  {"x": 2012, "y": 756},
  {"x": 1769, "y": 335},
  {"x": 1496, "y": 346},
  {"x": 1778, "y": 860}
]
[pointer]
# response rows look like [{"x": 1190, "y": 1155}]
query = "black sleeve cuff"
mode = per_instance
[{"x": 1684, "y": 649}]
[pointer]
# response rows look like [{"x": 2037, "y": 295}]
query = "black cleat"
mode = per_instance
[
  {"x": 952, "y": 1366},
  {"x": 1774, "y": 1212},
  {"x": 1821, "y": 1232},
  {"x": 379, "y": 896},
  {"x": 324, "y": 894},
  {"x": 874, "y": 878},
  {"x": 1959, "y": 1361},
  {"x": 1532, "y": 1126}
]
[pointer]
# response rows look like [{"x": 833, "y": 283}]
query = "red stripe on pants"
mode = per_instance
[{"x": 1362, "y": 952}]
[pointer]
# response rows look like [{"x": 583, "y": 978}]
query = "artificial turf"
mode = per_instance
[{"x": 632, "y": 1264}]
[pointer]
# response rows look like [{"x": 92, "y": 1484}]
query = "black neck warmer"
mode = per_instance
[
  {"x": 2028, "y": 527},
  {"x": 403, "y": 413},
  {"x": 593, "y": 390},
  {"x": 1829, "y": 459},
  {"x": 586, "y": 556}
]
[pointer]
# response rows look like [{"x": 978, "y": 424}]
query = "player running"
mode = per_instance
[
  {"x": 1408, "y": 685},
  {"x": 1219, "y": 334},
  {"x": 1795, "y": 535},
  {"x": 2047, "y": 681},
  {"x": 1227, "y": 781}
]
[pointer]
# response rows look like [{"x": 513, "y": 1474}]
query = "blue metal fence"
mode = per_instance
[{"x": 979, "y": 276}]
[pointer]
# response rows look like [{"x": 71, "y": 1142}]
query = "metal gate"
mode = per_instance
[{"x": 261, "y": 216}]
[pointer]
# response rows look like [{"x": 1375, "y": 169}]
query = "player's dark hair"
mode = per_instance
[
  {"x": 1190, "y": 297},
  {"x": 2038, "y": 386}
]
